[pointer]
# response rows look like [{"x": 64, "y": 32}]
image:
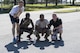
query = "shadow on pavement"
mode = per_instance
[
  {"x": 15, "y": 47},
  {"x": 11, "y": 47},
  {"x": 42, "y": 44},
  {"x": 58, "y": 43}
]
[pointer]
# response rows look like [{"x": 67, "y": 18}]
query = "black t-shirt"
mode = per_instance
[{"x": 55, "y": 23}]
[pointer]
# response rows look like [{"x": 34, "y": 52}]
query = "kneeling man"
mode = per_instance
[{"x": 25, "y": 22}]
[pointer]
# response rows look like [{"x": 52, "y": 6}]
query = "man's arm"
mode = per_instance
[
  {"x": 36, "y": 27},
  {"x": 49, "y": 25},
  {"x": 21, "y": 22},
  {"x": 32, "y": 24},
  {"x": 60, "y": 26},
  {"x": 18, "y": 13}
]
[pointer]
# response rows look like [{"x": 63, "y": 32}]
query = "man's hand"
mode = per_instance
[
  {"x": 54, "y": 29},
  {"x": 15, "y": 15},
  {"x": 32, "y": 28}
]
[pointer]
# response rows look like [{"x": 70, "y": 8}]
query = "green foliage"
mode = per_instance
[
  {"x": 34, "y": 7},
  {"x": 6, "y": 1},
  {"x": 38, "y": 7},
  {"x": 6, "y": 8}
]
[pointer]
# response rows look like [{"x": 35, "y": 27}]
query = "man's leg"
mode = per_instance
[
  {"x": 47, "y": 34},
  {"x": 54, "y": 36},
  {"x": 13, "y": 29},
  {"x": 37, "y": 35},
  {"x": 55, "y": 32},
  {"x": 17, "y": 29},
  {"x": 13, "y": 25},
  {"x": 60, "y": 33},
  {"x": 30, "y": 31},
  {"x": 13, "y": 32},
  {"x": 19, "y": 37},
  {"x": 20, "y": 33}
]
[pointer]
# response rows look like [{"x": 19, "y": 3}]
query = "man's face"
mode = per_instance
[
  {"x": 21, "y": 4},
  {"x": 41, "y": 18},
  {"x": 54, "y": 16},
  {"x": 27, "y": 16}
]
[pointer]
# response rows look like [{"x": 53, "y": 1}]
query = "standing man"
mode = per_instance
[
  {"x": 14, "y": 17},
  {"x": 57, "y": 23},
  {"x": 41, "y": 26}
]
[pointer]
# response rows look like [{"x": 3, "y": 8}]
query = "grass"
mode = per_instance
[
  {"x": 33, "y": 7},
  {"x": 6, "y": 8}
]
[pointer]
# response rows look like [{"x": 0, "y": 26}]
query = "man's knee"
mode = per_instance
[
  {"x": 36, "y": 33},
  {"x": 20, "y": 31},
  {"x": 48, "y": 32}
]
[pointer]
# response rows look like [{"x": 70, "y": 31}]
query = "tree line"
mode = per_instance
[{"x": 36, "y": 1}]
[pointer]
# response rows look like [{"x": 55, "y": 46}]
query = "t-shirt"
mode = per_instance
[
  {"x": 15, "y": 10},
  {"x": 55, "y": 23},
  {"x": 42, "y": 24}
]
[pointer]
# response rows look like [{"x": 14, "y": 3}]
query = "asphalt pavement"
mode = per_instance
[{"x": 71, "y": 35}]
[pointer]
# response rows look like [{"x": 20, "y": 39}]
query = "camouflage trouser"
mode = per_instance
[
  {"x": 29, "y": 30},
  {"x": 42, "y": 31}
]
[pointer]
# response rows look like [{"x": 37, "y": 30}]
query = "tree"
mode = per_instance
[
  {"x": 46, "y": 3},
  {"x": 24, "y": 2},
  {"x": 61, "y": 1},
  {"x": 56, "y": 2},
  {"x": 15, "y": 2},
  {"x": 70, "y": 2},
  {"x": 6, "y": 1},
  {"x": 66, "y": 1},
  {"x": 73, "y": 2}
]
